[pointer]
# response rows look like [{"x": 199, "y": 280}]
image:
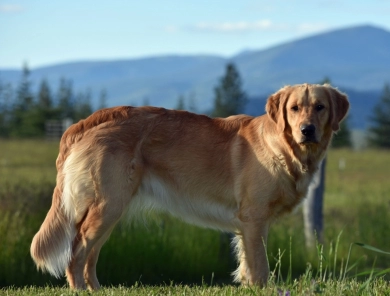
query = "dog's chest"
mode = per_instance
[
  {"x": 289, "y": 194},
  {"x": 302, "y": 184}
]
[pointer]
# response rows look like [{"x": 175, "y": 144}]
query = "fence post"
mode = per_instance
[{"x": 313, "y": 208}]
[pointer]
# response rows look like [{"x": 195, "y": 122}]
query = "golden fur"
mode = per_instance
[{"x": 235, "y": 174}]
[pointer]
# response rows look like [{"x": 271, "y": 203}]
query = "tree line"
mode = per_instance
[{"x": 24, "y": 114}]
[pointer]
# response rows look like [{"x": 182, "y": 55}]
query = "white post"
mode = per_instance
[{"x": 313, "y": 208}]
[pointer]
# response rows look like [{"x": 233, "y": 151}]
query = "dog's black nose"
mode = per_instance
[{"x": 308, "y": 130}]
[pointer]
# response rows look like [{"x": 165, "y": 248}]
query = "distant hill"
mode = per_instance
[
  {"x": 159, "y": 79},
  {"x": 354, "y": 58},
  {"x": 357, "y": 60}
]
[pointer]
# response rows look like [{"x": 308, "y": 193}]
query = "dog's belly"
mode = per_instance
[{"x": 155, "y": 194}]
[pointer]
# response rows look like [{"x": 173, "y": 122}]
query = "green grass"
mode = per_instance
[
  {"x": 299, "y": 287},
  {"x": 30, "y": 161},
  {"x": 357, "y": 207},
  {"x": 356, "y": 204}
]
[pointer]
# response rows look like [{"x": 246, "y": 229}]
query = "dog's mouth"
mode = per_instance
[{"x": 308, "y": 141}]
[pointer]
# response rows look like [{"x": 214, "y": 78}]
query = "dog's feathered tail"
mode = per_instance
[{"x": 51, "y": 248}]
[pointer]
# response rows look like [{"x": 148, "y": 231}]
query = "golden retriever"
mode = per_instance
[{"x": 234, "y": 174}]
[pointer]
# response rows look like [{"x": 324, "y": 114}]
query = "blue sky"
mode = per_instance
[{"x": 43, "y": 32}]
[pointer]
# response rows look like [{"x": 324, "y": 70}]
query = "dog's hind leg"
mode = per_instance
[
  {"x": 92, "y": 234},
  {"x": 115, "y": 180},
  {"x": 90, "y": 266}
]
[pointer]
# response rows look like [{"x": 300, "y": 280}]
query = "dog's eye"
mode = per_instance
[
  {"x": 294, "y": 108},
  {"x": 319, "y": 107}
]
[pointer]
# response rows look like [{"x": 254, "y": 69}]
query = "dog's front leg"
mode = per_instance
[{"x": 251, "y": 247}]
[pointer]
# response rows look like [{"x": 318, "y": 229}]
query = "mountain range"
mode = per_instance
[{"x": 355, "y": 59}]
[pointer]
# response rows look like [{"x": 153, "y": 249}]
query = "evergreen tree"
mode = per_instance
[
  {"x": 6, "y": 97},
  {"x": 3, "y": 108},
  {"x": 180, "y": 103},
  {"x": 83, "y": 106},
  {"x": 342, "y": 139},
  {"x": 229, "y": 99},
  {"x": 65, "y": 99},
  {"x": 380, "y": 129},
  {"x": 145, "y": 102},
  {"x": 44, "y": 109},
  {"x": 103, "y": 99},
  {"x": 192, "y": 103},
  {"x": 325, "y": 80},
  {"x": 45, "y": 100},
  {"x": 25, "y": 99},
  {"x": 24, "y": 116}
]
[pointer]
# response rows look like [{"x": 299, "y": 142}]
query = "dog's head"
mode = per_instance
[{"x": 307, "y": 112}]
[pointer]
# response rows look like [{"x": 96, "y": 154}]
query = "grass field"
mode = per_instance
[
  {"x": 357, "y": 207},
  {"x": 300, "y": 287}
]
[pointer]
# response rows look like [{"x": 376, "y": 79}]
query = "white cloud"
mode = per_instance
[
  {"x": 261, "y": 25},
  {"x": 234, "y": 26},
  {"x": 9, "y": 8},
  {"x": 312, "y": 27},
  {"x": 171, "y": 29}
]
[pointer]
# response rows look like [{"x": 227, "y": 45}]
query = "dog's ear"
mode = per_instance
[
  {"x": 275, "y": 108},
  {"x": 339, "y": 107}
]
